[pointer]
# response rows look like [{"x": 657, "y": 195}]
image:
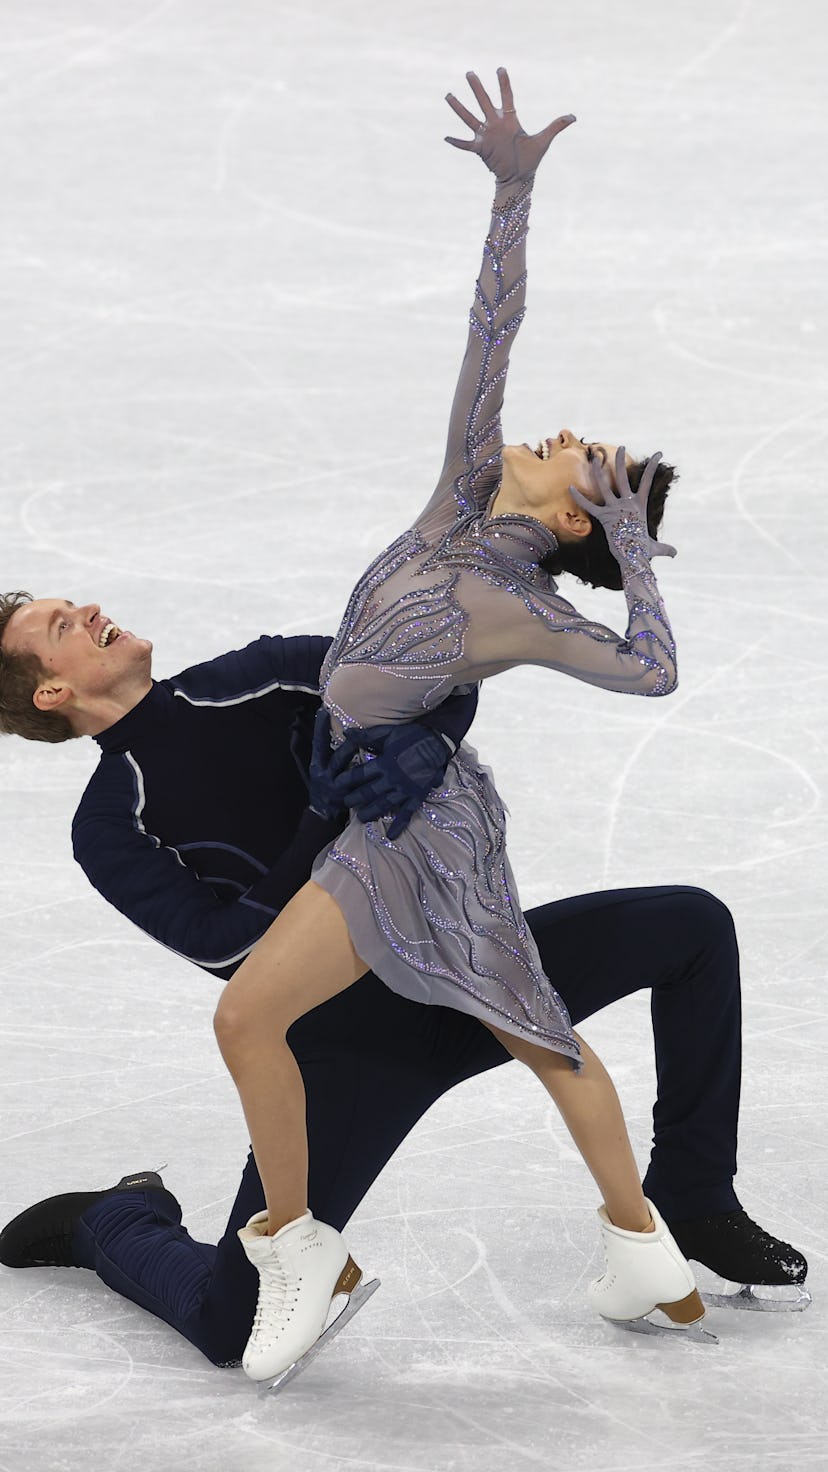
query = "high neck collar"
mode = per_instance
[
  {"x": 131, "y": 727},
  {"x": 516, "y": 537}
]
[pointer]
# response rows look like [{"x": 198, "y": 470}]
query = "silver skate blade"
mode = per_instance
[
  {"x": 765, "y": 1298},
  {"x": 657, "y": 1323},
  {"x": 356, "y": 1300}
]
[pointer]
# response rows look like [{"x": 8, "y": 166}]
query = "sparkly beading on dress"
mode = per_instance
[{"x": 457, "y": 598}]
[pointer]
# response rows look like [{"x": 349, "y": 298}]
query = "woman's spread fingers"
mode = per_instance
[
  {"x": 600, "y": 475},
  {"x": 507, "y": 101},
  {"x": 581, "y": 500},
  {"x": 462, "y": 112},
  {"x": 649, "y": 475},
  {"x": 553, "y": 129},
  {"x": 481, "y": 94},
  {"x": 622, "y": 480}
]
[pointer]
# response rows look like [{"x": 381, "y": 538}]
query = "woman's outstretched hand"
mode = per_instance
[
  {"x": 624, "y": 505},
  {"x": 506, "y": 150}
]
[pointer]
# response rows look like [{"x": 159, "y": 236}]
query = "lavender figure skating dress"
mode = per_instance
[{"x": 457, "y": 598}]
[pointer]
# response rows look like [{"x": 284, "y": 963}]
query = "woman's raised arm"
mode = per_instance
[{"x": 472, "y": 465}]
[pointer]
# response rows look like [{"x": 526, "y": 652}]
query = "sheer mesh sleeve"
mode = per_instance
[
  {"x": 530, "y": 625},
  {"x": 471, "y": 469}
]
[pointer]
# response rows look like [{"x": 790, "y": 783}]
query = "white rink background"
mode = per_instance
[{"x": 236, "y": 264}]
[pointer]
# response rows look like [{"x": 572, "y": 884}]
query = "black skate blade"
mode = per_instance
[
  {"x": 356, "y": 1300},
  {"x": 658, "y": 1323},
  {"x": 763, "y": 1298}
]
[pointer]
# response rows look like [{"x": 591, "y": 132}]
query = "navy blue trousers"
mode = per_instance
[{"x": 373, "y": 1063}]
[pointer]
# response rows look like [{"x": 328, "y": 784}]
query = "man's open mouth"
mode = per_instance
[{"x": 109, "y": 634}]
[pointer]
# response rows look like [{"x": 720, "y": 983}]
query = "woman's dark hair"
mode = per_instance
[
  {"x": 20, "y": 675},
  {"x": 590, "y": 559}
]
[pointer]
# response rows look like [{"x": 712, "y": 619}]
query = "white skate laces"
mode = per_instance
[
  {"x": 278, "y": 1302},
  {"x": 646, "y": 1275},
  {"x": 302, "y": 1269}
]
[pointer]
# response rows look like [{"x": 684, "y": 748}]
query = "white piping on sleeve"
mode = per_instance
[
  {"x": 139, "y": 823},
  {"x": 142, "y": 797},
  {"x": 139, "y": 808},
  {"x": 248, "y": 694},
  {"x": 200, "y": 961}
]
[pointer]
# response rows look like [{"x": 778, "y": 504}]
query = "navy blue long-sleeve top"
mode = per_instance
[{"x": 195, "y": 823}]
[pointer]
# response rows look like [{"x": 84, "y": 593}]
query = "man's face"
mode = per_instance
[{"x": 81, "y": 648}]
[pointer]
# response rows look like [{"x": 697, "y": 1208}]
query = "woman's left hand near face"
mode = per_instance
[{"x": 625, "y": 502}]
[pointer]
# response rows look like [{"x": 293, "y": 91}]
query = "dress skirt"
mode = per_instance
[{"x": 435, "y": 912}]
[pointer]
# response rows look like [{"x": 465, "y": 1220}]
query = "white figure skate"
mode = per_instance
[
  {"x": 302, "y": 1269},
  {"x": 647, "y": 1286}
]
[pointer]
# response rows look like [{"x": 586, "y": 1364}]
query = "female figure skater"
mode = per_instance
[{"x": 433, "y": 911}]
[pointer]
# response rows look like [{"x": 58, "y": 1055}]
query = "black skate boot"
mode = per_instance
[
  {"x": 41, "y": 1236},
  {"x": 761, "y": 1272}
]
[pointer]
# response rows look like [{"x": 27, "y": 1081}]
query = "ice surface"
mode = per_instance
[{"x": 236, "y": 261}]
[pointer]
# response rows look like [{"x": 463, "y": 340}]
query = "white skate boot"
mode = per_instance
[
  {"x": 646, "y": 1274},
  {"x": 302, "y": 1269}
]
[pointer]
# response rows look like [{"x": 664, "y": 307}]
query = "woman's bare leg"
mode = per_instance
[
  {"x": 305, "y": 958},
  {"x": 592, "y": 1113}
]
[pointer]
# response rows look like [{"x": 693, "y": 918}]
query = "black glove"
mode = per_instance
[
  {"x": 326, "y": 768},
  {"x": 408, "y": 761},
  {"x": 404, "y": 763}
]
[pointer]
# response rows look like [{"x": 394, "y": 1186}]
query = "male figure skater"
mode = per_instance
[{"x": 197, "y": 826}]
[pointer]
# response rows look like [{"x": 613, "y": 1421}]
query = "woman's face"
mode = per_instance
[{"x": 546, "y": 472}]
